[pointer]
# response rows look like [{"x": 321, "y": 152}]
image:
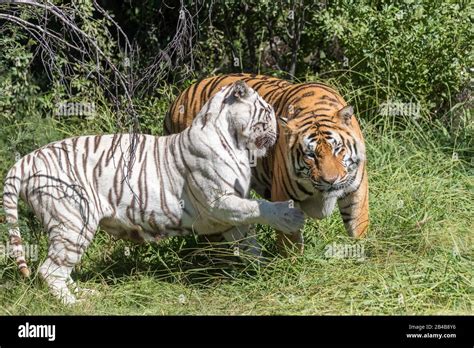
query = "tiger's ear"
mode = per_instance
[
  {"x": 240, "y": 90},
  {"x": 345, "y": 114},
  {"x": 283, "y": 121},
  {"x": 287, "y": 125},
  {"x": 288, "y": 129}
]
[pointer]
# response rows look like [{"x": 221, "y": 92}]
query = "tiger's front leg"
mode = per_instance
[
  {"x": 354, "y": 209},
  {"x": 287, "y": 242},
  {"x": 290, "y": 242},
  {"x": 237, "y": 211}
]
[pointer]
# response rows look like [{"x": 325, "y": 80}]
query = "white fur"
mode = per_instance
[{"x": 197, "y": 181}]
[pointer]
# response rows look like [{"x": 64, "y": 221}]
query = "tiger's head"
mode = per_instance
[
  {"x": 327, "y": 152},
  {"x": 251, "y": 119}
]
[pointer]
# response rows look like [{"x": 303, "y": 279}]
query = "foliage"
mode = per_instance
[{"x": 420, "y": 50}]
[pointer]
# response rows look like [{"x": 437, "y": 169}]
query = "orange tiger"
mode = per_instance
[{"x": 319, "y": 158}]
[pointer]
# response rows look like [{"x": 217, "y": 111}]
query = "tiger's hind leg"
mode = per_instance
[{"x": 66, "y": 247}]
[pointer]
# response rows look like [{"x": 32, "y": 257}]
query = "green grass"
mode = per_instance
[{"x": 418, "y": 253}]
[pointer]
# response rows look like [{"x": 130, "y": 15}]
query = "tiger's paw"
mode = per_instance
[{"x": 287, "y": 219}]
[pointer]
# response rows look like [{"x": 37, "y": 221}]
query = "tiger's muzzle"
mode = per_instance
[{"x": 266, "y": 140}]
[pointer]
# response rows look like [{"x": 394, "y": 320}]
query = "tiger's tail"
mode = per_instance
[{"x": 11, "y": 192}]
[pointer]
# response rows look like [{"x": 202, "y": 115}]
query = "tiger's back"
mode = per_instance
[{"x": 185, "y": 108}]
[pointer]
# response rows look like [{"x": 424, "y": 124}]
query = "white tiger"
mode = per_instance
[{"x": 196, "y": 181}]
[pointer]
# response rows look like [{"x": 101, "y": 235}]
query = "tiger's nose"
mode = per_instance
[{"x": 330, "y": 179}]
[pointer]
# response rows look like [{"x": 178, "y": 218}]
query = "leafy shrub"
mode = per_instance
[{"x": 419, "y": 50}]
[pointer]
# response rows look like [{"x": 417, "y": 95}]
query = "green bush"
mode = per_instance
[{"x": 418, "y": 50}]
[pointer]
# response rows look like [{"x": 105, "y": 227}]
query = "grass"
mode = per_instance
[{"x": 418, "y": 255}]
